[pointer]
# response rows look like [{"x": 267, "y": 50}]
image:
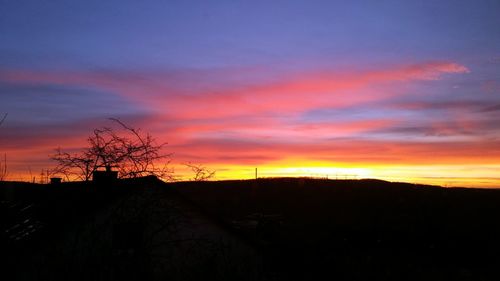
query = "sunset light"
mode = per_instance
[
  {"x": 401, "y": 92},
  {"x": 250, "y": 140}
]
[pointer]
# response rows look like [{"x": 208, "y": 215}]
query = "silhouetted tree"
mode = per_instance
[
  {"x": 3, "y": 168},
  {"x": 131, "y": 152},
  {"x": 201, "y": 173},
  {"x": 3, "y": 118},
  {"x": 3, "y": 162}
]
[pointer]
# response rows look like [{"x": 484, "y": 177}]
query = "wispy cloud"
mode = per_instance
[
  {"x": 247, "y": 121},
  {"x": 296, "y": 93},
  {"x": 344, "y": 150}
]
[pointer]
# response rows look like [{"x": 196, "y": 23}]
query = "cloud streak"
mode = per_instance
[
  {"x": 262, "y": 121},
  {"x": 297, "y": 93}
]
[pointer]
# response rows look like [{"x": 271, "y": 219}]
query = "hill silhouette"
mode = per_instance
[{"x": 265, "y": 229}]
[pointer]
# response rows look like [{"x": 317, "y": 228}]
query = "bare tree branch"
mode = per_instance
[
  {"x": 3, "y": 118},
  {"x": 3, "y": 162},
  {"x": 131, "y": 152},
  {"x": 201, "y": 173},
  {"x": 3, "y": 168}
]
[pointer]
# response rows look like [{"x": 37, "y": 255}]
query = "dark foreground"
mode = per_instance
[{"x": 269, "y": 229}]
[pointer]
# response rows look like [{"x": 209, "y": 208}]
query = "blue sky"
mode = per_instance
[{"x": 207, "y": 34}]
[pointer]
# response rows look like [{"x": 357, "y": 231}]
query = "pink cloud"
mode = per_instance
[
  {"x": 311, "y": 90},
  {"x": 250, "y": 112},
  {"x": 365, "y": 152},
  {"x": 288, "y": 95}
]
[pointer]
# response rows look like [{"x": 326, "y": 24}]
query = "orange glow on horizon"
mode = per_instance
[{"x": 477, "y": 176}]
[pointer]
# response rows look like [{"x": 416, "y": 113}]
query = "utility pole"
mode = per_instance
[{"x": 255, "y": 173}]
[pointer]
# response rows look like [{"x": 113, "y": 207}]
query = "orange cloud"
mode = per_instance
[
  {"x": 298, "y": 94},
  {"x": 345, "y": 151}
]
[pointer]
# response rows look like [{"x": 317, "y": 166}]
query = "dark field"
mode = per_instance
[
  {"x": 358, "y": 230},
  {"x": 266, "y": 229}
]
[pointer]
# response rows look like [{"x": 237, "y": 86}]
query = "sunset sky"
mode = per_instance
[{"x": 396, "y": 90}]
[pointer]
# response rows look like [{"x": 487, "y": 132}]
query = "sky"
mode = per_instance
[{"x": 396, "y": 90}]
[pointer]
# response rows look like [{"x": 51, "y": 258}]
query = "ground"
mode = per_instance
[{"x": 266, "y": 229}]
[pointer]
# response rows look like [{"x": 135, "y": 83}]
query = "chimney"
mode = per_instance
[{"x": 55, "y": 180}]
